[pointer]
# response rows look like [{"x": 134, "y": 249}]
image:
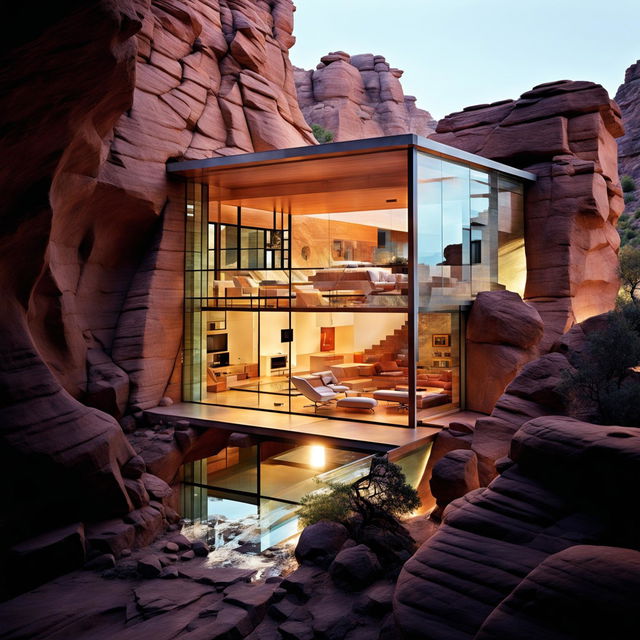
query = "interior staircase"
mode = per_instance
[{"x": 392, "y": 347}]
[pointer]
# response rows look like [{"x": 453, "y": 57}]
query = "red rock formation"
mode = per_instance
[
  {"x": 94, "y": 101},
  {"x": 509, "y": 557},
  {"x": 628, "y": 99},
  {"x": 359, "y": 97},
  {"x": 502, "y": 335},
  {"x": 564, "y": 132}
]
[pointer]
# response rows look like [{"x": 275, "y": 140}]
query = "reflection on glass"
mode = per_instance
[{"x": 512, "y": 265}]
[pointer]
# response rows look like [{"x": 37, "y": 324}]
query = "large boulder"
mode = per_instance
[
  {"x": 355, "y": 567},
  {"x": 589, "y": 585},
  {"x": 319, "y": 543},
  {"x": 454, "y": 475},
  {"x": 503, "y": 333},
  {"x": 570, "y": 484}
]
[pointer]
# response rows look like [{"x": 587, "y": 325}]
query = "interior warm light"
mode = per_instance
[
  {"x": 191, "y": 210},
  {"x": 317, "y": 456}
]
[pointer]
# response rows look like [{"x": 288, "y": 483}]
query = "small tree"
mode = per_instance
[
  {"x": 628, "y": 184},
  {"x": 382, "y": 495},
  {"x": 603, "y": 387},
  {"x": 629, "y": 272},
  {"x": 321, "y": 134}
]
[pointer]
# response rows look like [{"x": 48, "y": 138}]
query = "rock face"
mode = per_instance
[
  {"x": 548, "y": 532},
  {"x": 359, "y": 97},
  {"x": 564, "y": 132},
  {"x": 503, "y": 334},
  {"x": 628, "y": 99},
  {"x": 91, "y": 240}
]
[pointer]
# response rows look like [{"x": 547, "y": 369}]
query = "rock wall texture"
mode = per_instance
[
  {"x": 564, "y": 132},
  {"x": 96, "y": 97},
  {"x": 628, "y": 99},
  {"x": 547, "y": 532},
  {"x": 537, "y": 552},
  {"x": 359, "y": 97}
]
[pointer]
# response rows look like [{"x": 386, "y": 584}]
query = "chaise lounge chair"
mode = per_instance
[{"x": 313, "y": 389}]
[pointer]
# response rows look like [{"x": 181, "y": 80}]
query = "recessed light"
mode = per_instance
[{"x": 392, "y": 200}]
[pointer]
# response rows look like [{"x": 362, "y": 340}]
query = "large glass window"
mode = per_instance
[{"x": 299, "y": 277}]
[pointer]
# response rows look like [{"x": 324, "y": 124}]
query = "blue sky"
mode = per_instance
[{"x": 460, "y": 52}]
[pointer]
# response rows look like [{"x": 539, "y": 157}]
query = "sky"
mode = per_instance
[{"x": 456, "y": 53}]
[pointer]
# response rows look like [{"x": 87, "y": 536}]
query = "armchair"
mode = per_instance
[{"x": 319, "y": 394}]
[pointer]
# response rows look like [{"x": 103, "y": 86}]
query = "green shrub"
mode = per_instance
[
  {"x": 383, "y": 494},
  {"x": 321, "y": 134},
  {"x": 601, "y": 387},
  {"x": 629, "y": 196},
  {"x": 628, "y": 184}
]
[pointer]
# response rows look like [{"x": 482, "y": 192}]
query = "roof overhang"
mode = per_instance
[{"x": 200, "y": 169}]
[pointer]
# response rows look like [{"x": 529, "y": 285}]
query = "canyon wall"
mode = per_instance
[
  {"x": 564, "y": 132},
  {"x": 96, "y": 97},
  {"x": 628, "y": 99},
  {"x": 359, "y": 97}
]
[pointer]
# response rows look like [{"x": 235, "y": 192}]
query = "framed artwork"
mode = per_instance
[{"x": 441, "y": 340}]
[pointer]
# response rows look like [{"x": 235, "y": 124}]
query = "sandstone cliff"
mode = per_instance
[
  {"x": 359, "y": 97},
  {"x": 564, "y": 132},
  {"x": 628, "y": 98},
  {"x": 96, "y": 97}
]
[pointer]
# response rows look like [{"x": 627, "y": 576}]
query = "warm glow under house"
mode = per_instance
[
  {"x": 347, "y": 266},
  {"x": 333, "y": 281}
]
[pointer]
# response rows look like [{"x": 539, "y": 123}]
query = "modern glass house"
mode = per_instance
[
  {"x": 347, "y": 266},
  {"x": 326, "y": 292}
]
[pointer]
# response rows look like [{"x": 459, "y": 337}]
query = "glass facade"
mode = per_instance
[
  {"x": 265, "y": 482},
  {"x": 348, "y": 271}
]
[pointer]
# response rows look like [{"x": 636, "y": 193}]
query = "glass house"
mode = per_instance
[{"x": 347, "y": 266}]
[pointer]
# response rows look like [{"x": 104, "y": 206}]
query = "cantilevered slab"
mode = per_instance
[{"x": 361, "y": 436}]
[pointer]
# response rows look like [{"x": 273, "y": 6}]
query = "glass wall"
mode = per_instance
[{"x": 300, "y": 274}]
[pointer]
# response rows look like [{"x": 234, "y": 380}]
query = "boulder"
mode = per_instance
[
  {"x": 590, "y": 585},
  {"x": 355, "y": 567},
  {"x": 502, "y": 336},
  {"x": 319, "y": 543},
  {"x": 149, "y": 566},
  {"x": 453, "y": 476}
]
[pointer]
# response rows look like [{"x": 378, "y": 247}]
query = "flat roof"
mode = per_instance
[{"x": 206, "y": 166}]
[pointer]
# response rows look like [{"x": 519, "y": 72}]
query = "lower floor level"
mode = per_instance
[{"x": 345, "y": 365}]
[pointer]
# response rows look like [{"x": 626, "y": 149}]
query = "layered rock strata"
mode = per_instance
[
  {"x": 564, "y": 132},
  {"x": 95, "y": 99},
  {"x": 359, "y": 97},
  {"x": 628, "y": 99},
  {"x": 547, "y": 535}
]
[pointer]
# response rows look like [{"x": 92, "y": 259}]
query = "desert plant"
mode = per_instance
[
  {"x": 629, "y": 272},
  {"x": 321, "y": 134},
  {"x": 628, "y": 184},
  {"x": 381, "y": 495},
  {"x": 603, "y": 386}
]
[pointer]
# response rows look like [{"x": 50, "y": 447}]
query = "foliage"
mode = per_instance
[
  {"x": 383, "y": 494},
  {"x": 629, "y": 272},
  {"x": 629, "y": 196},
  {"x": 332, "y": 503},
  {"x": 603, "y": 388},
  {"x": 321, "y": 134},
  {"x": 629, "y": 229},
  {"x": 628, "y": 184}
]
